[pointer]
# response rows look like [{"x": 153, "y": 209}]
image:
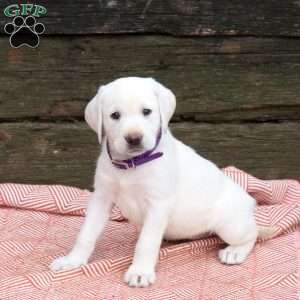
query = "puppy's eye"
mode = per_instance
[
  {"x": 147, "y": 111},
  {"x": 115, "y": 115}
]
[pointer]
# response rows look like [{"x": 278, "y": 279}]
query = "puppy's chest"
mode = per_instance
[{"x": 131, "y": 200}]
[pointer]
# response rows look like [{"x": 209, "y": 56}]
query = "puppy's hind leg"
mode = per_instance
[{"x": 241, "y": 235}]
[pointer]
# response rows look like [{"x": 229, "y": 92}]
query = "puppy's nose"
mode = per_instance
[{"x": 134, "y": 139}]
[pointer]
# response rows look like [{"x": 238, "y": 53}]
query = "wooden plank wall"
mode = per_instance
[{"x": 234, "y": 66}]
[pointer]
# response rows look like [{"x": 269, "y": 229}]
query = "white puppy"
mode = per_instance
[{"x": 160, "y": 184}]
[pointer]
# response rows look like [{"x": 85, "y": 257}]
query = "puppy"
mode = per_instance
[{"x": 158, "y": 183}]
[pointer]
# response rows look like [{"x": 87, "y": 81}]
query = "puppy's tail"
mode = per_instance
[{"x": 265, "y": 232}]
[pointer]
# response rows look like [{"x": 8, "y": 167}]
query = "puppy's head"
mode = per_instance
[{"x": 130, "y": 111}]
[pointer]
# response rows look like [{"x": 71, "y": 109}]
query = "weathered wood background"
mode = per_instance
[{"x": 234, "y": 66}]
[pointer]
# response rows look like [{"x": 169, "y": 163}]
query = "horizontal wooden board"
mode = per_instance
[
  {"x": 66, "y": 153},
  {"x": 177, "y": 17},
  {"x": 214, "y": 79}
]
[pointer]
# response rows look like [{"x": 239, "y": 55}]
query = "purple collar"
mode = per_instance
[{"x": 139, "y": 159}]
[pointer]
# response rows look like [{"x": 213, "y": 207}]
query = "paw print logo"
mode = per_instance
[{"x": 24, "y": 32}]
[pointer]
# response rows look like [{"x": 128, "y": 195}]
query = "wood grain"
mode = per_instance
[
  {"x": 214, "y": 79},
  {"x": 66, "y": 153},
  {"x": 176, "y": 17}
]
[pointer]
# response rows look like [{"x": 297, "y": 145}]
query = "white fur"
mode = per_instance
[{"x": 178, "y": 196}]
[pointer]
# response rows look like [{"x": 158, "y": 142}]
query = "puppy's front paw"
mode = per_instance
[
  {"x": 66, "y": 263},
  {"x": 139, "y": 276},
  {"x": 233, "y": 255}
]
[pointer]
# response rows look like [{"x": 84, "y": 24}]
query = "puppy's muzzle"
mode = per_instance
[{"x": 134, "y": 139}]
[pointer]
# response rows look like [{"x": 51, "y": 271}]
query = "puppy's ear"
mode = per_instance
[
  {"x": 93, "y": 114},
  {"x": 166, "y": 102}
]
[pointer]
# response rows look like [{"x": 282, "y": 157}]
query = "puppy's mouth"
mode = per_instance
[{"x": 135, "y": 150}]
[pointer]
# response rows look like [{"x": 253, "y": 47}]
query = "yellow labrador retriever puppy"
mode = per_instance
[{"x": 161, "y": 185}]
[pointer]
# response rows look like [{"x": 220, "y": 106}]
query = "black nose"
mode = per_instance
[{"x": 134, "y": 139}]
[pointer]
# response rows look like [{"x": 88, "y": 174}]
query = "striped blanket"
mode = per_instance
[{"x": 39, "y": 223}]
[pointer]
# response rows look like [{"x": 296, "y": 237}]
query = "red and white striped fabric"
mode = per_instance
[{"x": 40, "y": 222}]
